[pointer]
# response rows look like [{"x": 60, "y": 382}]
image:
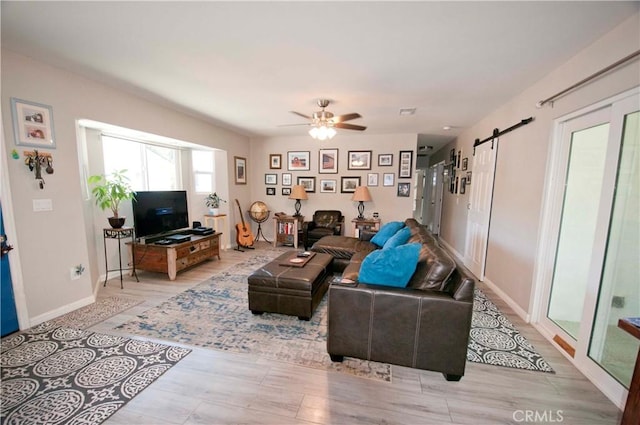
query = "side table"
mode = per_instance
[
  {"x": 220, "y": 225},
  {"x": 286, "y": 229},
  {"x": 372, "y": 224},
  {"x": 118, "y": 234}
]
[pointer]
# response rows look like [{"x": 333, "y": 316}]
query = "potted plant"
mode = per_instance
[
  {"x": 110, "y": 192},
  {"x": 213, "y": 202}
]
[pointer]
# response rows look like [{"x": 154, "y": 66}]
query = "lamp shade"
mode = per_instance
[
  {"x": 298, "y": 192},
  {"x": 361, "y": 194}
]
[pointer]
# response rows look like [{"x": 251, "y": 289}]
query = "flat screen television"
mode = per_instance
[{"x": 158, "y": 212}]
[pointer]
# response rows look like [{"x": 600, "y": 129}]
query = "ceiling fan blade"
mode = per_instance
[
  {"x": 345, "y": 117},
  {"x": 292, "y": 125},
  {"x": 302, "y": 115},
  {"x": 346, "y": 126}
]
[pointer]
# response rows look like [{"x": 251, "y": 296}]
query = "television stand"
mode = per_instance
[{"x": 173, "y": 258}]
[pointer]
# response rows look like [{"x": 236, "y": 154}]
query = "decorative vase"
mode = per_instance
[
  {"x": 214, "y": 211},
  {"x": 117, "y": 222}
]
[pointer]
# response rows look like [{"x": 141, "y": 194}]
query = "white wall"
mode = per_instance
[
  {"x": 522, "y": 158},
  {"x": 49, "y": 243},
  {"x": 385, "y": 199}
]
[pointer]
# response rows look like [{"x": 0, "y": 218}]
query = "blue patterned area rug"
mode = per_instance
[
  {"x": 57, "y": 375},
  {"x": 494, "y": 340},
  {"x": 215, "y": 314}
]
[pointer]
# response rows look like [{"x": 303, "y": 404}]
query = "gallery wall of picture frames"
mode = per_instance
[
  {"x": 328, "y": 163},
  {"x": 458, "y": 181}
]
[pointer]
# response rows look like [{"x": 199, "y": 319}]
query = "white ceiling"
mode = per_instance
[{"x": 245, "y": 65}]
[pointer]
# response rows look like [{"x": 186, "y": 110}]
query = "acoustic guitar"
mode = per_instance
[{"x": 244, "y": 237}]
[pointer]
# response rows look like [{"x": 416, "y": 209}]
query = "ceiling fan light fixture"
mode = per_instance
[{"x": 322, "y": 132}]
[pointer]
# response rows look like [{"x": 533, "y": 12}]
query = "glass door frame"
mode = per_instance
[{"x": 616, "y": 107}]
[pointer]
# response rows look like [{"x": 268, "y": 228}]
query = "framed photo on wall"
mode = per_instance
[
  {"x": 275, "y": 161},
  {"x": 404, "y": 190},
  {"x": 298, "y": 161},
  {"x": 372, "y": 179},
  {"x": 349, "y": 184},
  {"x": 385, "y": 160},
  {"x": 271, "y": 191},
  {"x": 328, "y": 161},
  {"x": 388, "y": 179},
  {"x": 405, "y": 164},
  {"x": 240, "y": 169},
  {"x": 32, "y": 124},
  {"x": 286, "y": 179},
  {"x": 328, "y": 186},
  {"x": 286, "y": 191},
  {"x": 271, "y": 179},
  {"x": 309, "y": 183},
  {"x": 359, "y": 160}
]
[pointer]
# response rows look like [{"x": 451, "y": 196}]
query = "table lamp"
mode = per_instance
[
  {"x": 298, "y": 192},
  {"x": 361, "y": 195}
]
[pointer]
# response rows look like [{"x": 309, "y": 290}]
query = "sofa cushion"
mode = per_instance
[
  {"x": 386, "y": 231},
  {"x": 434, "y": 268},
  {"x": 353, "y": 268},
  {"x": 390, "y": 267},
  {"x": 400, "y": 238}
]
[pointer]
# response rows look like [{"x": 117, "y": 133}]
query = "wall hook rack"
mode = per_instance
[{"x": 36, "y": 161}]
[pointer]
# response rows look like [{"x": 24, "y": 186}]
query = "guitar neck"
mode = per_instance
[{"x": 241, "y": 216}]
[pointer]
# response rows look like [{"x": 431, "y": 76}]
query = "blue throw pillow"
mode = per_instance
[
  {"x": 390, "y": 267},
  {"x": 386, "y": 231},
  {"x": 400, "y": 238}
]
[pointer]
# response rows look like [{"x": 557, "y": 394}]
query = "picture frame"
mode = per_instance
[
  {"x": 465, "y": 163},
  {"x": 328, "y": 161},
  {"x": 388, "y": 179},
  {"x": 287, "y": 180},
  {"x": 468, "y": 177},
  {"x": 405, "y": 165},
  {"x": 270, "y": 179},
  {"x": 458, "y": 158},
  {"x": 349, "y": 184},
  {"x": 328, "y": 186},
  {"x": 452, "y": 155},
  {"x": 463, "y": 185},
  {"x": 309, "y": 184},
  {"x": 286, "y": 191},
  {"x": 275, "y": 161},
  {"x": 385, "y": 160},
  {"x": 372, "y": 179},
  {"x": 32, "y": 124},
  {"x": 298, "y": 160},
  {"x": 404, "y": 189},
  {"x": 271, "y": 191},
  {"x": 240, "y": 169},
  {"x": 359, "y": 160}
]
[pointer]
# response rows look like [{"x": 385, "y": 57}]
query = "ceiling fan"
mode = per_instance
[{"x": 324, "y": 122}]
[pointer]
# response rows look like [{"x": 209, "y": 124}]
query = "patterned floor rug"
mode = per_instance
[
  {"x": 214, "y": 314},
  {"x": 102, "y": 309},
  {"x": 495, "y": 341},
  {"x": 56, "y": 375}
]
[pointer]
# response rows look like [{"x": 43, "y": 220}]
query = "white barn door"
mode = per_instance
[{"x": 484, "y": 167}]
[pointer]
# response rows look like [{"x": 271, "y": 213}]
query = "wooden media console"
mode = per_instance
[{"x": 171, "y": 259}]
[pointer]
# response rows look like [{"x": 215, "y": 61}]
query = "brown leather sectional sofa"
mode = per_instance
[{"x": 424, "y": 325}]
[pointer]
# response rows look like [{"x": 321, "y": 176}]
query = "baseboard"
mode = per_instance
[{"x": 62, "y": 310}]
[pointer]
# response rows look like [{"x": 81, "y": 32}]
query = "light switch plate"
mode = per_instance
[{"x": 42, "y": 205}]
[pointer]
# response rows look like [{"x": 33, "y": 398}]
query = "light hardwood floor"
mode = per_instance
[{"x": 214, "y": 387}]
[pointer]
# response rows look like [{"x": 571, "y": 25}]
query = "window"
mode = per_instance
[
  {"x": 150, "y": 167},
  {"x": 202, "y": 163}
]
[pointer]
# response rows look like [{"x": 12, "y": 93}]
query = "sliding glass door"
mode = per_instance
[{"x": 589, "y": 253}]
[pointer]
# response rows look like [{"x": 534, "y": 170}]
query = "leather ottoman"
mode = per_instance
[{"x": 290, "y": 290}]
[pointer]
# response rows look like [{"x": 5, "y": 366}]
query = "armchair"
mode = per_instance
[{"x": 325, "y": 222}]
